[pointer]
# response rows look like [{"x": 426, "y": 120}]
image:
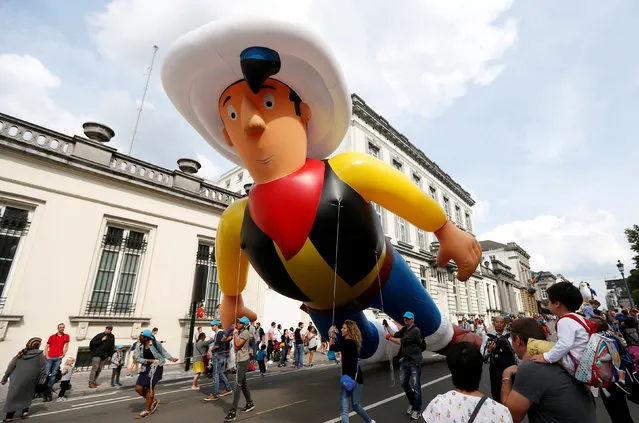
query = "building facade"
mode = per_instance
[
  {"x": 91, "y": 237},
  {"x": 544, "y": 281},
  {"x": 616, "y": 289},
  {"x": 372, "y": 134}
]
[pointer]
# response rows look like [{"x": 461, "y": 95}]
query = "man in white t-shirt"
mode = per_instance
[{"x": 465, "y": 363}]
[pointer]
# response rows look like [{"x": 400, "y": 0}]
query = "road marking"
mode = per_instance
[
  {"x": 92, "y": 396},
  {"x": 280, "y": 407},
  {"x": 384, "y": 401},
  {"x": 100, "y": 401}
]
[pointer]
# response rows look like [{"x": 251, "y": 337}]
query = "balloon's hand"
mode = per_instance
[
  {"x": 232, "y": 308},
  {"x": 459, "y": 246}
]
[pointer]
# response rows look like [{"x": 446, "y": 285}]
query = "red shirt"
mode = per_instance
[{"x": 56, "y": 344}]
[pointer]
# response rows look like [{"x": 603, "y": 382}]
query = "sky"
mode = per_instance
[{"x": 531, "y": 106}]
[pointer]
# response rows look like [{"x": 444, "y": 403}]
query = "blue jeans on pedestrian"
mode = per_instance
[
  {"x": 284, "y": 354},
  {"x": 410, "y": 376},
  {"x": 299, "y": 355},
  {"x": 352, "y": 398},
  {"x": 53, "y": 365},
  {"x": 217, "y": 363}
]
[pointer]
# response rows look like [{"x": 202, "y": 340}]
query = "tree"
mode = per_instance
[
  {"x": 632, "y": 234},
  {"x": 635, "y": 296}
]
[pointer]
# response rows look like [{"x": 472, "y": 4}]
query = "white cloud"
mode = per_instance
[
  {"x": 480, "y": 209},
  {"x": 208, "y": 170},
  {"x": 415, "y": 59},
  {"x": 575, "y": 243},
  {"x": 25, "y": 91}
]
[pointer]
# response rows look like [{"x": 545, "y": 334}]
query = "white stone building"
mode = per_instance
[
  {"x": 372, "y": 134},
  {"x": 90, "y": 237}
]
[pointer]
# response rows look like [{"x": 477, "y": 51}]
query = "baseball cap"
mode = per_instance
[
  {"x": 109, "y": 327},
  {"x": 215, "y": 323},
  {"x": 244, "y": 320},
  {"x": 119, "y": 347},
  {"x": 409, "y": 315},
  {"x": 147, "y": 333}
]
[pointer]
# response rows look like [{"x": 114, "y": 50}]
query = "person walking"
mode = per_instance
[
  {"x": 285, "y": 347},
  {"x": 102, "y": 347},
  {"x": 241, "y": 337},
  {"x": 410, "y": 339},
  {"x": 350, "y": 346},
  {"x": 117, "y": 362},
  {"x": 25, "y": 371},
  {"x": 199, "y": 353},
  {"x": 54, "y": 352},
  {"x": 218, "y": 352},
  {"x": 152, "y": 356},
  {"x": 312, "y": 340}
]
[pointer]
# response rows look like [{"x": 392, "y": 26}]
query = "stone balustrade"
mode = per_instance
[{"x": 100, "y": 157}]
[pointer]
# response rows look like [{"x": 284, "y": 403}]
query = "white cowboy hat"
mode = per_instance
[{"x": 203, "y": 63}]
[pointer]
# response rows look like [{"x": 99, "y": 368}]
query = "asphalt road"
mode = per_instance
[{"x": 308, "y": 395}]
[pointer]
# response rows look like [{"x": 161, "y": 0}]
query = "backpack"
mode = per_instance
[{"x": 600, "y": 365}]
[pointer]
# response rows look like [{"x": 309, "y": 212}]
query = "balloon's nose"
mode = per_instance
[{"x": 253, "y": 123}]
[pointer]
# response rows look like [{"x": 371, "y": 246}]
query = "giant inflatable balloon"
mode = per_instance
[{"x": 271, "y": 97}]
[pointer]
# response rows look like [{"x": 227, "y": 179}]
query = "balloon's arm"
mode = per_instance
[
  {"x": 232, "y": 262},
  {"x": 383, "y": 184}
]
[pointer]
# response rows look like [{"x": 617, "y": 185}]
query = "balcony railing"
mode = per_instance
[
  {"x": 3, "y": 302},
  {"x": 109, "y": 309}
]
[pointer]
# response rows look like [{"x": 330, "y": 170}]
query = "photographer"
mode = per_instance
[{"x": 499, "y": 353}]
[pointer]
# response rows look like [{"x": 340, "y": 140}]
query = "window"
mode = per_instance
[
  {"x": 421, "y": 239},
  {"x": 373, "y": 150},
  {"x": 417, "y": 180},
  {"x": 433, "y": 193},
  {"x": 398, "y": 165},
  {"x": 206, "y": 261},
  {"x": 469, "y": 223},
  {"x": 401, "y": 229},
  {"x": 14, "y": 224},
  {"x": 447, "y": 207},
  {"x": 228, "y": 183},
  {"x": 380, "y": 215},
  {"x": 458, "y": 216},
  {"x": 240, "y": 176},
  {"x": 477, "y": 291},
  {"x": 544, "y": 294},
  {"x": 455, "y": 299},
  {"x": 115, "y": 282},
  {"x": 423, "y": 275}
]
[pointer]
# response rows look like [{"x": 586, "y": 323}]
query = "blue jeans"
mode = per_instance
[
  {"x": 410, "y": 376},
  {"x": 299, "y": 355},
  {"x": 53, "y": 365},
  {"x": 284, "y": 354},
  {"x": 217, "y": 363},
  {"x": 353, "y": 398}
]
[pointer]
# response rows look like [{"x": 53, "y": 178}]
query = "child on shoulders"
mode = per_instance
[{"x": 573, "y": 330}]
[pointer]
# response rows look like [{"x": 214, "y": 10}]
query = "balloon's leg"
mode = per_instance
[{"x": 404, "y": 292}]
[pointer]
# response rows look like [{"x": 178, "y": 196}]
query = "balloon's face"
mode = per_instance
[{"x": 267, "y": 128}]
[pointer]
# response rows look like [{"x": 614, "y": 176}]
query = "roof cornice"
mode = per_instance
[{"x": 381, "y": 125}]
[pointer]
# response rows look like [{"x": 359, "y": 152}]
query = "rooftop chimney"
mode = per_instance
[
  {"x": 98, "y": 132},
  {"x": 189, "y": 166}
]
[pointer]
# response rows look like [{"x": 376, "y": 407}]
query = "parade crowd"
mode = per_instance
[{"x": 529, "y": 374}]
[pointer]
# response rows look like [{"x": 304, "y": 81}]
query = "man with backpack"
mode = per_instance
[
  {"x": 499, "y": 353},
  {"x": 410, "y": 338}
]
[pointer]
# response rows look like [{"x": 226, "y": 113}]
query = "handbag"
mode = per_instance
[
  {"x": 348, "y": 382},
  {"x": 476, "y": 410}
]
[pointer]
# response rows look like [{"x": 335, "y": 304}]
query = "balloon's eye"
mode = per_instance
[
  {"x": 232, "y": 113},
  {"x": 269, "y": 101}
]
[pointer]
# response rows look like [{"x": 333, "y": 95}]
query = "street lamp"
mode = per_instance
[{"x": 620, "y": 267}]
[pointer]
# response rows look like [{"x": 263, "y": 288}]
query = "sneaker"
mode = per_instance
[
  {"x": 414, "y": 415},
  {"x": 92, "y": 386},
  {"x": 249, "y": 407},
  {"x": 230, "y": 416},
  {"x": 227, "y": 392},
  {"x": 270, "y": 362},
  {"x": 61, "y": 399},
  {"x": 211, "y": 397},
  {"x": 410, "y": 410}
]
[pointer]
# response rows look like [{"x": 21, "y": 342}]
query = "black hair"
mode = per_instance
[
  {"x": 263, "y": 347},
  {"x": 201, "y": 336},
  {"x": 567, "y": 294},
  {"x": 527, "y": 328},
  {"x": 155, "y": 330},
  {"x": 465, "y": 363},
  {"x": 273, "y": 323},
  {"x": 297, "y": 101}
]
